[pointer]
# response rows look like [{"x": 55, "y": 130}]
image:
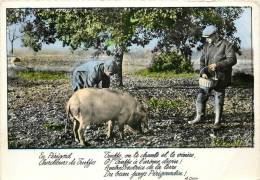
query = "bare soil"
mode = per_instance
[{"x": 36, "y": 116}]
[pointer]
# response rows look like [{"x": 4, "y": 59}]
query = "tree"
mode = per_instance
[
  {"x": 14, "y": 17},
  {"x": 12, "y": 35},
  {"x": 181, "y": 28},
  {"x": 115, "y": 30},
  {"x": 98, "y": 28}
]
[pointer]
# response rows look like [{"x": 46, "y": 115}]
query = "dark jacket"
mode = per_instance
[
  {"x": 222, "y": 53},
  {"x": 91, "y": 73}
]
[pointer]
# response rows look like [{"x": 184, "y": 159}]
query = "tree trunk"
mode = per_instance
[
  {"x": 119, "y": 54},
  {"x": 12, "y": 47}
]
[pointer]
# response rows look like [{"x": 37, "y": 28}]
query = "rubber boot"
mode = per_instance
[
  {"x": 200, "y": 106},
  {"x": 200, "y": 112},
  {"x": 219, "y": 103}
]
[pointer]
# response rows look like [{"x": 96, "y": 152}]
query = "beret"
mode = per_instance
[{"x": 209, "y": 30}]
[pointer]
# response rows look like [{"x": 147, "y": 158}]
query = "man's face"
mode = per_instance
[
  {"x": 109, "y": 71},
  {"x": 211, "y": 38}
]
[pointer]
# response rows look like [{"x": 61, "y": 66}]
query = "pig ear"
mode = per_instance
[
  {"x": 133, "y": 120},
  {"x": 137, "y": 115}
]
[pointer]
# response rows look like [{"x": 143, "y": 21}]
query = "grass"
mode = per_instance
[
  {"x": 163, "y": 75},
  {"x": 53, "y": 127},
  {"x": 166, "y": 103},
  {"x": 219, "y": 142},
  {"x": 42, "y": 75}
]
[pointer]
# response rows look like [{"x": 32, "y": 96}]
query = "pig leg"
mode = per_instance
[
  {"x": 75, "y": 129},
  {"x": 81, "y": 130},
  {"x": 110, "y": 126},
  {"x": 121, "y": 131},
  {"x": 122, "y": 119}
]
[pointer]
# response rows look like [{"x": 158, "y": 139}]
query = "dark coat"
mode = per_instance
[
  {"x": 222, "y": 53},
  {"x": 91, "y": 73}
]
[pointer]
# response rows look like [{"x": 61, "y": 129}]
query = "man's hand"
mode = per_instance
[
  {"x": 213, "y": 67},
  {"x": 204, "y": 76}
]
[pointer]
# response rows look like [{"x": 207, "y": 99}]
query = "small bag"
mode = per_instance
[{"x": 208, "y": 83}]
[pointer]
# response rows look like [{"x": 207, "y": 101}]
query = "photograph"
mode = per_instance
[{"x": 130, "y": 77}]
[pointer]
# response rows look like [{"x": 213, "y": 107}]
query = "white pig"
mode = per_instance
[{"x": 95, "y": 106}]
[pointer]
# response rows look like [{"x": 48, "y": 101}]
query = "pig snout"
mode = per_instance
[{"x": 142, "y": 124}]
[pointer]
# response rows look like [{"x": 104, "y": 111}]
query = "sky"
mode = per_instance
[{"x": 243, "y": 25}]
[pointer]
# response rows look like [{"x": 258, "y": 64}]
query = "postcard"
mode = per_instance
[{"x": 129, "y": 90}]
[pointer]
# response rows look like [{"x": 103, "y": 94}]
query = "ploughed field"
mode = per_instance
[{"x": 36, "y": 116}]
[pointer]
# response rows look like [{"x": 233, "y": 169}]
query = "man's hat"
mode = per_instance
[{"x": 209, "y": 30}]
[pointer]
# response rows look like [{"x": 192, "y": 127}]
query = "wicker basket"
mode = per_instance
[{"x": 208, "y": 83}]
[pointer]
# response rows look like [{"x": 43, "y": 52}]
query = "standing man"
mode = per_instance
[{"x": 218, "y": 56}]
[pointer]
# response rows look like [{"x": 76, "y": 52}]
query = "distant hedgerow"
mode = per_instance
[{"x": 170, "y": 61}]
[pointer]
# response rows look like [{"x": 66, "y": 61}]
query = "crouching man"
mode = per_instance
[
  {"x": 91, "y": 73},
  {"x": 218, "y": 56}
]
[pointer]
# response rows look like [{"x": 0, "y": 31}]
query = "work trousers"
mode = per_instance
[{"x": 202, "y": 99}]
